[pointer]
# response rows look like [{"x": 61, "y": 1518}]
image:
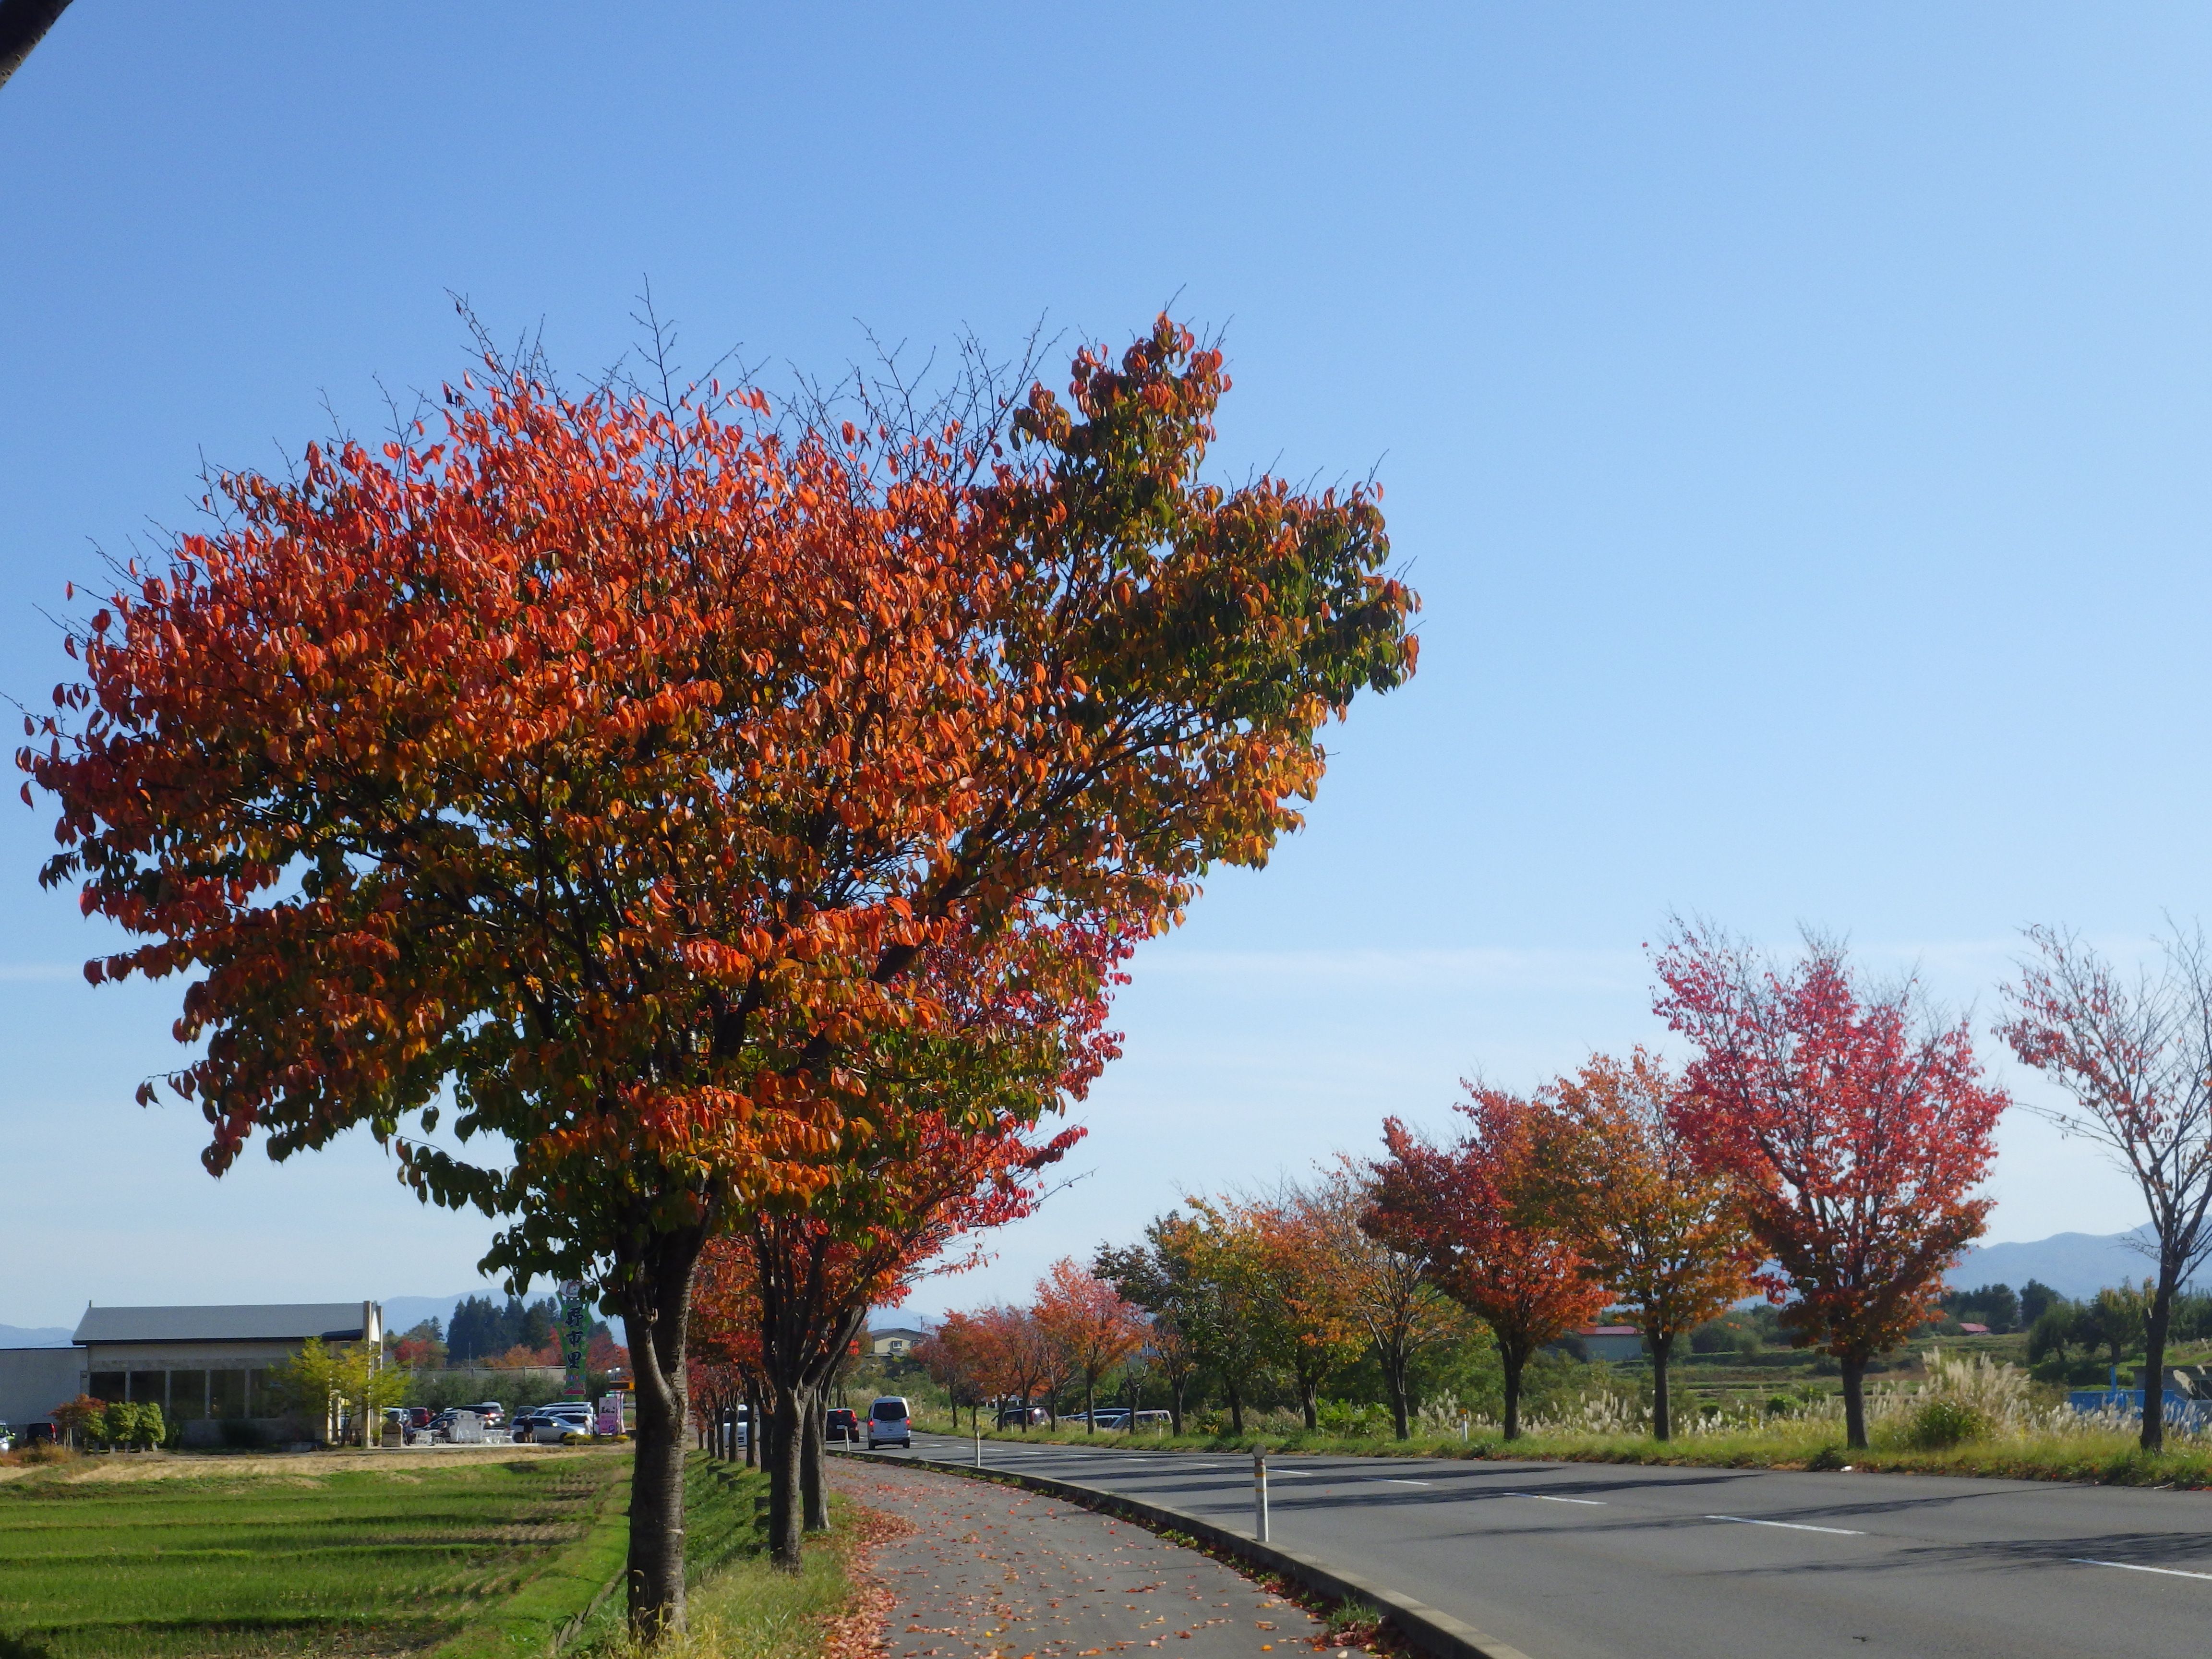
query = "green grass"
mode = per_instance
[
  {"x": 738, "y": 1603},
  {"x": 249, "y": 1560},
  {"x": 2105, "y": 1456}
]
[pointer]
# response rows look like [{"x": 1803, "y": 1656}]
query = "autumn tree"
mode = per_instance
[
  {"x": 590, "y": 777},
  {"x": 864, "y": 1244},
  {"x": 1386, "y": 1290},
  {"x": 958, "y": 1357},
  {"x": 1662, "y": 1232},
  {"x": 1160, "y": 1276},
  {"x": 1461, "y": 1209},
  {"x": 1023, "y": 1357},
  {"x": 722, "y": 1355},
  {"x": 1856, "y": 1124},
  {"x": 2133, "y": 1055},
  {"x": 1229, "y": 1324},
  {"x": 1089, "y": 1326},
  {"x": 1311, "y": 1330}
]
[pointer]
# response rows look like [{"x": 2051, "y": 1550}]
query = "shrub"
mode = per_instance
[{"x": 1944, "y": 1423}]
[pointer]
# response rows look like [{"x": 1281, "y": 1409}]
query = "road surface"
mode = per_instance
[{"x": 1600, "y": 1561}]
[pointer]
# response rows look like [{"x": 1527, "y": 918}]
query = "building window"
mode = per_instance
[
  {"x": 150, "y": 1387},
  {"x": 108, "y": 1385}
]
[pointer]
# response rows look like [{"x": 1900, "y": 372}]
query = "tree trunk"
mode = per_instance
[
  {"x": 1394, "y": 1378},
  {"x": 786, "y": 1452},
  {"x": 1309, "y": 1399},
  {"x": 1235, "y": 1411},
  {"x": 657, "y": 1303},
  {"x": 1514, "y": 1358},
  {"x": 1663, "y": 1421},
  {"x": 1089, "y": 1405},
  {"x": 815, "y": 1485},
  {"x": 2154, "y": 1329},
  {"x": 752, "y": 1425},
  {"x": 1176, "y": 1392},
  {"x": 1855, "y": 1434}
]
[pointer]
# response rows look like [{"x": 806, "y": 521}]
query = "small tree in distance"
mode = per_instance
[
  {"x": 2136, "y": 1059},
  {"x": 1462, "y": 1209},
  {"x": 1611, "y": 1169},
  {"x": 1857, "y": 1126},
  {"x": 1089, "y": 1325}
]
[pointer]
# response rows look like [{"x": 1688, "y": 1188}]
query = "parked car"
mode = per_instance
[
  {"x": 1015, "y": 1417},
  {"x": 890, "y": 1424},
  {"x": 1109, "y": 1417},
  {"x": 556, "y": 1422},
  {"x": 525, "y": 1420},
  {"x": 491, "y": 1410},
  {"x": 841, "y": 1423}
]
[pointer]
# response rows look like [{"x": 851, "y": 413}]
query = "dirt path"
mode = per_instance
[{"x": 994, "y": 1572}]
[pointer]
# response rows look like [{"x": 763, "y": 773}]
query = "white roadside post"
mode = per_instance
[
  {"x": 1462, "y": 1428},
  {"x": 1259, "y": 1493},
  {"x": 979, "y": 1443}
]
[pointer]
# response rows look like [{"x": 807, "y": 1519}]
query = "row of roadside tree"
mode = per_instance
[{"x": 1826, "y": 1143}]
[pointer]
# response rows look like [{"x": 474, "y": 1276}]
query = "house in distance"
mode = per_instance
[{"x": 209, "y": 1367}]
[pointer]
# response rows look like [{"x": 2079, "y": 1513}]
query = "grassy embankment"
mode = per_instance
[
  {"x": 741, "y": 1607},
  {"x": 463, "y": 1555},
  {"x": 2104, "y": 1454}
]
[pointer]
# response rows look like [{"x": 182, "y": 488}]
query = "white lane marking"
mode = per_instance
[
  {"x": 1546, "y": 1497},
  {"x": 1393, "y": 1481},
  {"x": 2130, "y": 1567},
  {"x": 1792, "y": 1526}
]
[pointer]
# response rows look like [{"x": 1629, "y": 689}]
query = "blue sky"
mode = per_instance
[{"x": 1794, "y": 418}]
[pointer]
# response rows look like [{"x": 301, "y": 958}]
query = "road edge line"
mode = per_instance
[{"x": 1435, "y": 1632}]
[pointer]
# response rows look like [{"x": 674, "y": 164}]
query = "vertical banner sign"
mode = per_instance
[{"x": 575, "y": 1340}]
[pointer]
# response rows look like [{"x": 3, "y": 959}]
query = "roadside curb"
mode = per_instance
[{"x": 1435, "y": 1633}]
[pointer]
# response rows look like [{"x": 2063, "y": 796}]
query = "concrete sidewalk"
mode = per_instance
[{"x": 994, "y": 1573}]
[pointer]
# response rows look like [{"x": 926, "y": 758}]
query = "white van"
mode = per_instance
[{"x": 888, "y": 1422}]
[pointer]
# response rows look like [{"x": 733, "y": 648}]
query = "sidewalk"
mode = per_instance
[{"x": 993, "y": 1570}]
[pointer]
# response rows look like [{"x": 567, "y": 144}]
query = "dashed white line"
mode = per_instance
[
  {"x": 1392, "y": 1479},
  {"x": 1546, "y": 1498},
  {"x": 1792, "y": 1526},
  {"x": 2130, "y": 1567}
]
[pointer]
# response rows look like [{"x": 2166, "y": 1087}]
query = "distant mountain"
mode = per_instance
[
  {"x": 2074, "y": 1264},
  {"x": 35, "y": 1336}
]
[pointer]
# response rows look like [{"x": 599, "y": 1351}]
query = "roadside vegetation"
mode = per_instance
[
  {"x": 1944, "y": 1408},
  {"x": 740, "y": 1601},
  {"x": 135, "y": 1555}
]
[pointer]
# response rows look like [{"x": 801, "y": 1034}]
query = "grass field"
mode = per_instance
[
  {"x": 2109, "y": 1456},
  {"x": 375, "y": 1554}
]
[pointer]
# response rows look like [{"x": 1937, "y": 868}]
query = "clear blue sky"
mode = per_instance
[{"x": 1795, "y": 419}]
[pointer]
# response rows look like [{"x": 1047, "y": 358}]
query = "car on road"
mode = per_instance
[
  {"x": 890, "y": 1422},
  {"x": 841, "y": 1423},
  {"x": 1016, "y": 1417}
]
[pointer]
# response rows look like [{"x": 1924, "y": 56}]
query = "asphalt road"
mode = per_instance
[{"x": 1597, "y": 1561}]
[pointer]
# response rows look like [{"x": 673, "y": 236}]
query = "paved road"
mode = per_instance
[
  {"x": 995, "y": 1572},
  {"x": 1596, "y": 1561}
]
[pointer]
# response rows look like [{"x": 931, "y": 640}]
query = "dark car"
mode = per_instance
[{"x": 841, "y": 1423}]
